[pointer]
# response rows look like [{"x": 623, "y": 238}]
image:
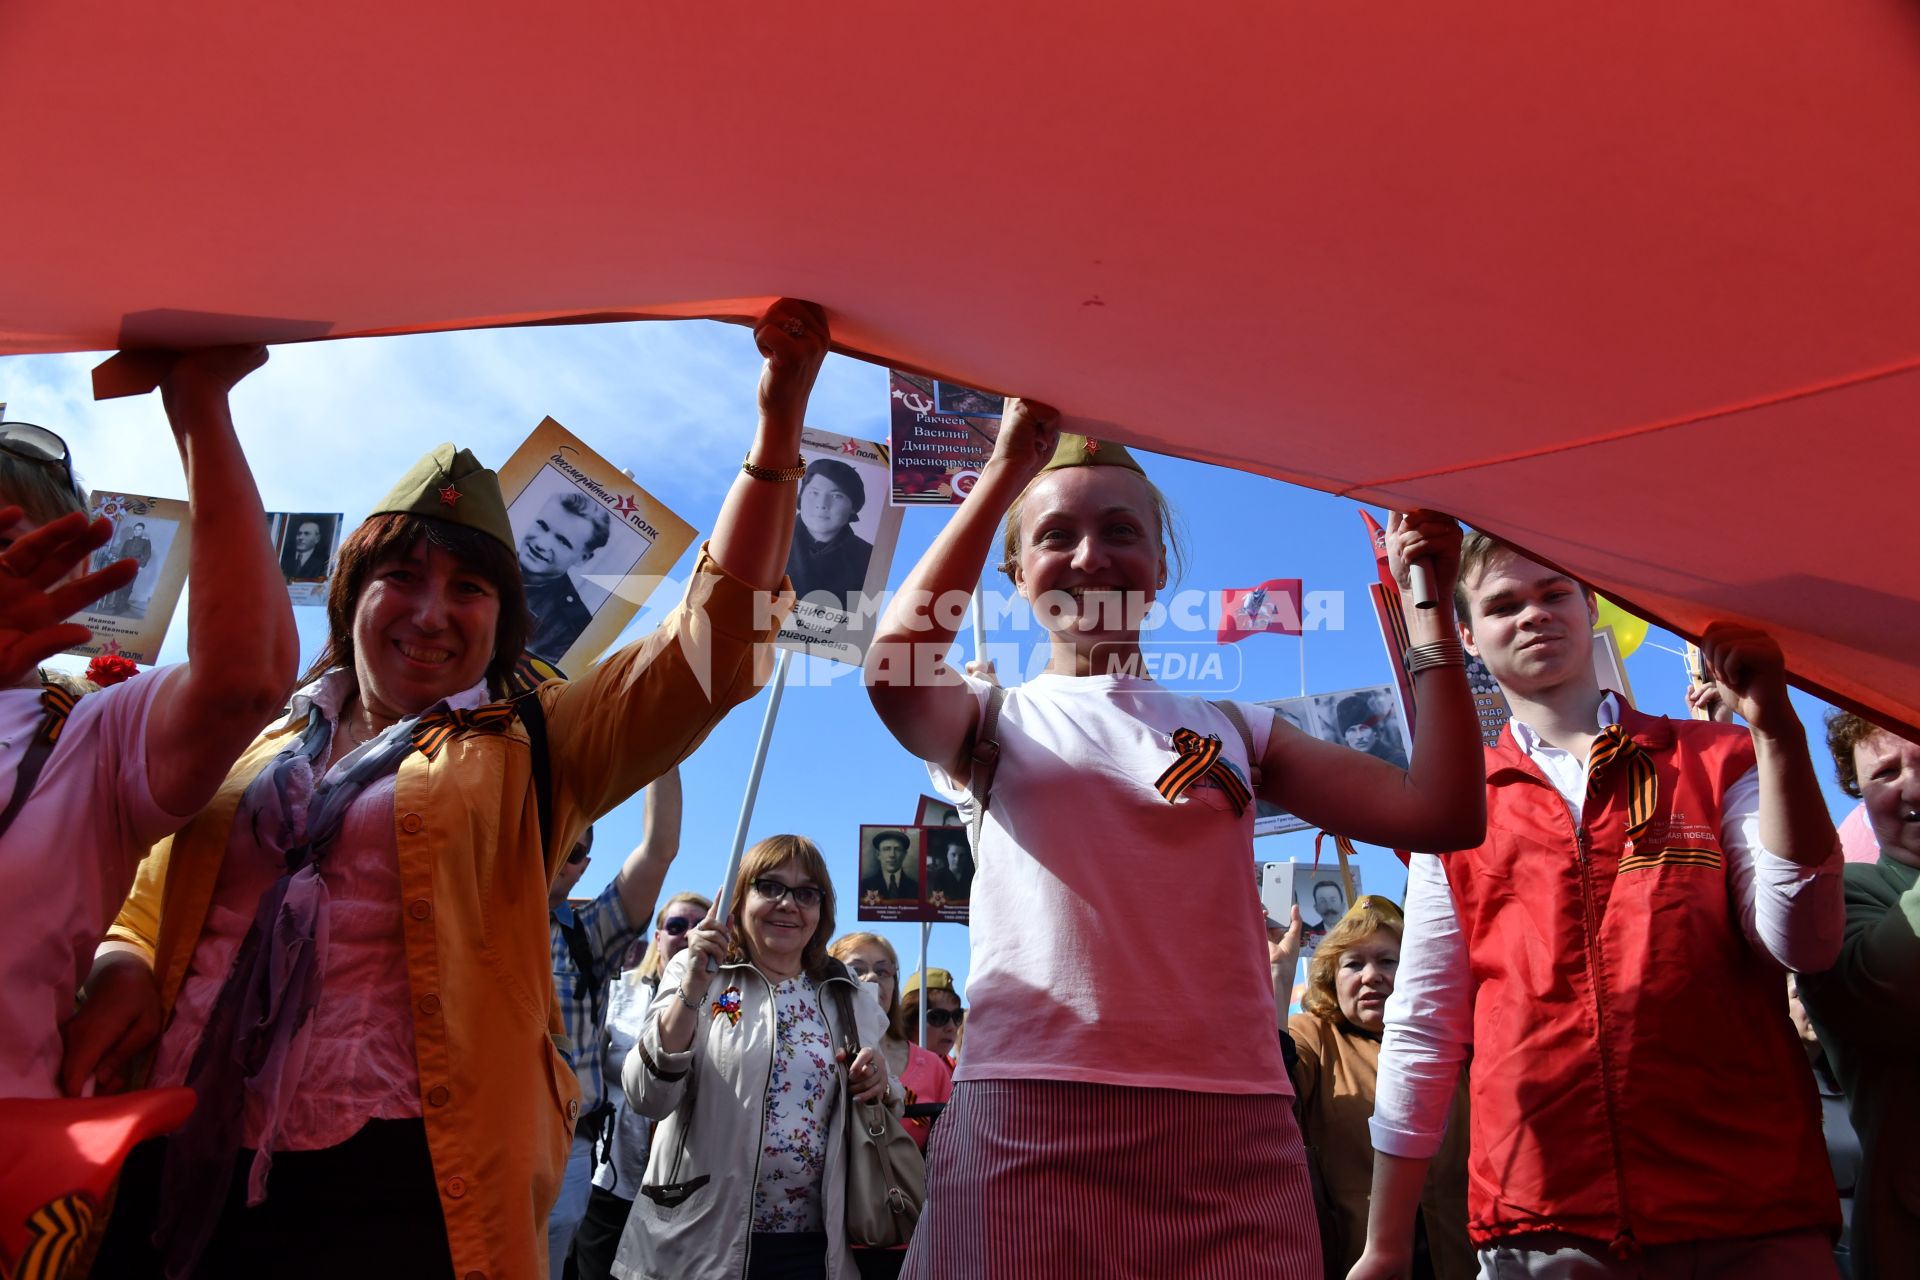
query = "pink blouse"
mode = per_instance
[
  {"x": 359, "y": 1062},
  {"x": 926, "y": 1079}
]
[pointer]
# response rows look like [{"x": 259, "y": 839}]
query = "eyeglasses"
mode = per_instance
[
  {"x": 805, "y": 896},
  {"x": 675, "y": 926},
  {"x": 946, "y": 1017},
  {"x": 886, "y": 971},
  {"x": 37, "y": 444}
]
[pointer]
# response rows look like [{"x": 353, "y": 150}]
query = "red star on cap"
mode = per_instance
[
  {"x": 449, "y": 495},
  {"x": 1093, "y": 446}
]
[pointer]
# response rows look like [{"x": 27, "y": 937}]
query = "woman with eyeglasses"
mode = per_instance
[
  {"x": 1105, "y": 1049},
  {"x": 623, "y": 1160},
  {"x": 923, "y": 1077},
  {"x": 93, "y": 787},
  {"x": 350, "y": 948},
  {"x": 946, "y": 1016},
  {"x": 1337, "y": 1040},
  {"x": 742, "y": 1064}
]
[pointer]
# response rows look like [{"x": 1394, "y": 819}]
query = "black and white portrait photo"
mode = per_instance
[
  {"x": 828, "y": 560},
  {"x": 1322, "y": 900},
  {"x": 890, "y": 863},
  {"x": 1366, "y": 720},
  {"x": 566, "y": 539},
  {"x": 145, "y": 540},
  {"x": 844, "y": 532},
  {"x": 306, "y": 545},
  {"x": 949, "y": 864}
]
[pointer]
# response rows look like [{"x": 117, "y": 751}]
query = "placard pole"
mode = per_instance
[
  {"x": 926, "y": 927},
  {"x": 979, "y": 624},
  {"x": 777, "y": 687}
]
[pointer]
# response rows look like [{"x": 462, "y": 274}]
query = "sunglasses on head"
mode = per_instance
[
  {"x": 806, "y": 896},
  {"x": 946, "y": 1017},
  {"x": 677, "y": 926},
  {"x": 37, "y": 444}
]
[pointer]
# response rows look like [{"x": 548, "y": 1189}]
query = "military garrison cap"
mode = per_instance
[
  {"x": 1079, "y": 451},
  {"x": 937, "y": 980},
  {"x": 450, "y": 484}
]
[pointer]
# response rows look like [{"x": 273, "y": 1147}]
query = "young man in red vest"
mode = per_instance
[{"x": 1613, "y": 957}]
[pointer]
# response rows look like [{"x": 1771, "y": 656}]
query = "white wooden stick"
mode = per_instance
[{"x": 778, "y": 687}]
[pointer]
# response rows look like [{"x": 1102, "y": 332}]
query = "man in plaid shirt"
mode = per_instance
[{"x": 589, "y": 940}]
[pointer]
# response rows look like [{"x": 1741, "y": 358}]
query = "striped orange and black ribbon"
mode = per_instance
[
  {"x": 56, "y": 1233},
  {"x": 56, "y": 704},
  {"x": 436, "y": 729},
  {"x": 1643, "y": 788},
  {"x": 1200, "y": 757}
]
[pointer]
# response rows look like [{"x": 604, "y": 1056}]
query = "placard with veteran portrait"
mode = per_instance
[
  {"x": 1322, "y": 899},
  {"x": 891, "y": 874},
  {"x": 1366, "y": 720},
  {"x": 937, "y": 812},
  {"x": 592, "y": 544},
  {"x": 842, "y": 547},
  {"x": 155, "y": 533},
  {"x": 306, "y": 542},
  {"x": 948, "y": 884},
  {"x": 942, "y": 435}
]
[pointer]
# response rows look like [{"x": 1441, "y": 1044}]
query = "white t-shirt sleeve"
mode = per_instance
[
  {"x": 119, "y": 740},
  {"x": 1429, "y": 1019},
  {"x": 101, "y": 764},
  {"x": 944, "y": 782},
  {"x": 1259, "y": 725}
]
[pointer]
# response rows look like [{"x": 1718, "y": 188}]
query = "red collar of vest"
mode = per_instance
[{"x": 1655, "y": 733}]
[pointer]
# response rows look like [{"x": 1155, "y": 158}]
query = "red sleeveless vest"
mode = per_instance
[{"x": 1635, "y": 1077}]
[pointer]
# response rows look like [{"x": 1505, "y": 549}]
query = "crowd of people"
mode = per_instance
[{"x": 335, "y": 907}]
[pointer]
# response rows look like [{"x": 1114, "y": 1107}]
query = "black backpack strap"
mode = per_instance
[
  {"x": 58, "y": 702},
  {"x": 533, "y": 717},
  {"x": 35, "y": 760},
  {"x": 580, "y": 947}
]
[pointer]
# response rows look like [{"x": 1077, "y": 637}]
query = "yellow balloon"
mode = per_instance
[{"x": 1628, "y": 631}]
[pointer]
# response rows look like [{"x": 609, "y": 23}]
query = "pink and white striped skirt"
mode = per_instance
[{"x": 1046, "y": 1178}]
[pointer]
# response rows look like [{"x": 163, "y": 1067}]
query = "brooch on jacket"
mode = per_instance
[{"x": 729, "y": 1005}]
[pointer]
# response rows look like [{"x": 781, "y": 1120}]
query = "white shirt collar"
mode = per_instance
[
  {"x": 1524, "y": 737},
  {"x": 330, "y": 693}
]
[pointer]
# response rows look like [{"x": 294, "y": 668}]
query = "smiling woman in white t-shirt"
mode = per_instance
[{"x": 1122, "y": 1108}]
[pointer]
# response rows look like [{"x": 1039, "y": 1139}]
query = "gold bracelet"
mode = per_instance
[{"x": 774, "y": 475}]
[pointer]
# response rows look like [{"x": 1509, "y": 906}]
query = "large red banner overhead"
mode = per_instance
[{"x": 1634, "y": 285}]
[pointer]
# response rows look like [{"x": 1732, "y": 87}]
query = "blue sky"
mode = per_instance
[{"x": 330, "y": 426}]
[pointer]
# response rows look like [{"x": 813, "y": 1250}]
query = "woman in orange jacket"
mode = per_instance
[{"x": 349, "y": 947}]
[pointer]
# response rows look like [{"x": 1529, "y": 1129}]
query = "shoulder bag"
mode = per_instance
[{"x": 886, "y": 1175}]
